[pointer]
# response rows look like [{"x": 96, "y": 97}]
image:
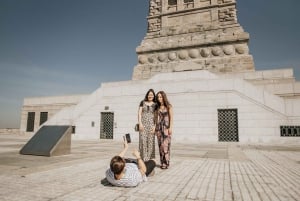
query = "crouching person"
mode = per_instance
[{"x": 129, "y": 174}]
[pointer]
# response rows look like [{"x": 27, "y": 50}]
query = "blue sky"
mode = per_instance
[{"x": 64, "y": 47}]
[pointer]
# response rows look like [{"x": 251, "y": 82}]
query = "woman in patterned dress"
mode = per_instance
[
  {"x": 164, "y": 125},
  {"x": 146, "y": 126}
]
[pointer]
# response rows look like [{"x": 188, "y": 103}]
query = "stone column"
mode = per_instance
[
  {"x": 180, "y": 5},
  {"x": 164, "y": 6}
]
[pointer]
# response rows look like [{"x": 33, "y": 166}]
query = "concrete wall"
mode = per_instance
[
  {"x": 52, "y": 105},
  {"x": 196, "y": 97}
]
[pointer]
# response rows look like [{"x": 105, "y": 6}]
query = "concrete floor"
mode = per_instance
[{"x": 220, "y": 171}]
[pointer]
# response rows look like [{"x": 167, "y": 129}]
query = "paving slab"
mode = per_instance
[{"x": 207, "y": 172}]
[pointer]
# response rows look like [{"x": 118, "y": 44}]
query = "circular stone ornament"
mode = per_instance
[
  {"x": 193, "y": 53},
  {"x": 151, "y": 59},
  {"x": 162, "y": 57},
  {"x": 228, "y": 50},
  {"x": 216, "y": 51},
  {"x": 142, "y": 59},
  {"x": 172, "y": 56},
  {"x": 204, "y": 52},
  {"x": 183, "y": 54},
  {"x": 241, "y": 49}
]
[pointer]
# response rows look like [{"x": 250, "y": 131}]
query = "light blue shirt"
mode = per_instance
[{"x": 131, "y": 178}]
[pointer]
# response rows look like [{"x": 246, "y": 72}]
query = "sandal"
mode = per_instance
[{"x": 163, "y": 167}]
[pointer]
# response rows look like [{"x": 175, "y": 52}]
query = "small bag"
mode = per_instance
[{"x": 137, "y": 127}]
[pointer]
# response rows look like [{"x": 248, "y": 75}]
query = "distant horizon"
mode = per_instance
[{"x": 69, "y": 47}]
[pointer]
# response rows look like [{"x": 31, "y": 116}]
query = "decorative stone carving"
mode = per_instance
[
  {"x": 151, "y": 59},
  {"x": 225, "y": 1},
  {"x": 241, "y": 49},
  {"x": 228, "y": 50},
  {"x": 142, "y": 59},
  {"x": 183, "y": 54},
  {"x": 205, "y": 52},
  {"x": 227, "y": 14},
  {"x": 155, "y": 7},
  {"x": 188, "y": 5},
  {"x": 207, "y": 35},
  {"x": 162, "y": 57},
  {"x": 154, "y": 24},
  {"x": 193, "y": 53},
  {"x": 172, "y": 56},
  {"x": 216, "y": 51}
]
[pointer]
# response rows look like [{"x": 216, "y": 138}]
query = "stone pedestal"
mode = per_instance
[{"x": 203, "y": 32}]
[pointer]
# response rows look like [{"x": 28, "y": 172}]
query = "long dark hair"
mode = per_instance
[
  {"x": 146, "y": 96},
  {"x": 165, "y": 100},
  {"x": 166, "y": 104}
]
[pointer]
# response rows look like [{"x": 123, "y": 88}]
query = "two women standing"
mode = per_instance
[{"x": 155, "y": 116}]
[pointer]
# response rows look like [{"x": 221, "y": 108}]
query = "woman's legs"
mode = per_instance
[{"x": 165, "y": 151}]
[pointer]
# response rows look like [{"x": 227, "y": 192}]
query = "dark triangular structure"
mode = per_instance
[{"x": 49, "y": 141}]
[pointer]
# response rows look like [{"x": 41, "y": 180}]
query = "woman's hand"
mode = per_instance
[
  {"x": 170, "y": 131},
  {"x": 140, "y": 162},
  {"x": 141, "y": 127},
  {"x": 125, "y": 143},
  {"x": 125, "y": 147},
  {"x": 153, "y": 130},
  {"x": 136, "y": 153}
]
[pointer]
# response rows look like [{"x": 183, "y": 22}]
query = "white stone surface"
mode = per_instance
[{"x": 196, "y": 97}]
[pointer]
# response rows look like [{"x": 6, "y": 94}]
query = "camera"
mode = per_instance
[{"x": 127, "y": 137}]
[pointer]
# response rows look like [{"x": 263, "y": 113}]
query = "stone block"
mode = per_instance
[{"x": 49, "y": 141}]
